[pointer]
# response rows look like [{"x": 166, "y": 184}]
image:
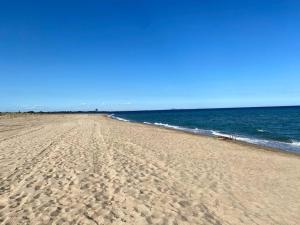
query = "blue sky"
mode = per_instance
[{"x": 127, "y": 55}]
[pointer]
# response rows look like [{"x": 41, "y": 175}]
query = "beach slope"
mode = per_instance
[{"x": 90, "y": 169}]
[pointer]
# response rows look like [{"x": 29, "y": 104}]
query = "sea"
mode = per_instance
[{"x": 275, "y": 127}]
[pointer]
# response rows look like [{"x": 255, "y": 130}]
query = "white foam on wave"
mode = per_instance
[
  {"x": 169, "y": 126},
  {"x": 190, "y": 130},
  {"x": 296, "y": 143},
  {"x": 219, "y": 134},
  {"x": 121, "y": 119},
  {"x": 244, "y": 139},
  {"x": 294, "y": 146},
  {"x": 118, "y": 118}
]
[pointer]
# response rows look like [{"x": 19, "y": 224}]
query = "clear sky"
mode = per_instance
[{"x": 155, "y": 54}]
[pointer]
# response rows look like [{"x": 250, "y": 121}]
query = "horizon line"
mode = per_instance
[{"x": 144, "y": 110}]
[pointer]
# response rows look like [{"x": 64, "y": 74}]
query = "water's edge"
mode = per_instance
[{"x": 265, "y": 144}]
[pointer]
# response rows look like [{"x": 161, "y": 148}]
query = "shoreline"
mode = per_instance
[
  {"x": 226, "y": 139},
  {"x": 231, "y": 140}
]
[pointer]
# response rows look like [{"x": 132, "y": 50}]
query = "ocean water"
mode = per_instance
[{"x": 277, "y": 127}]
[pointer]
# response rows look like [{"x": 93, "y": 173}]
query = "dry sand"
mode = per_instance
[{"x": 87, "y": 169}]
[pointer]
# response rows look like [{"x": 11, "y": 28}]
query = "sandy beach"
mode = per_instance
[{"x": 90, "y": 169}]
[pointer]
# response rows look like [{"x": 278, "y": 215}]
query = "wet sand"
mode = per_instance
[{"x": 88, "y": 169}]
